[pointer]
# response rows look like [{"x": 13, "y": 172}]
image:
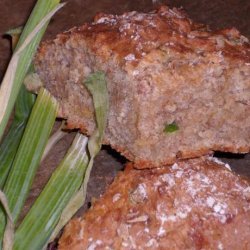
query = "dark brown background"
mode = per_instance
[{"x": 216, "y": 13}]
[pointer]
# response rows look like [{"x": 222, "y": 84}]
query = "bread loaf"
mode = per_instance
[{"x": 176, "y": 89}]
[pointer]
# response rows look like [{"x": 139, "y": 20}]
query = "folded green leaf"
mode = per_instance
[
  {"x": 97, "y": 86},
  {"x": 38, "y": 225},
  {"x": 29, "y": 154}
]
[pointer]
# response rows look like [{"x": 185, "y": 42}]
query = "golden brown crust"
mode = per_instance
[
  {"x": 195, "y": 204},
  {"x": 139, "y": 33}
]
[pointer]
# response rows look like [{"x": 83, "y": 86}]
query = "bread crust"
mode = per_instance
[
  {"x": 122, "y": 36},
  {"x": 161, "y": 68},
  {"x": 194, "y": 204}
]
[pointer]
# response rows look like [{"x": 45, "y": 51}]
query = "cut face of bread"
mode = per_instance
[
  {"x": 176, "y": 89},
  {"x": 196, "y": 204}
]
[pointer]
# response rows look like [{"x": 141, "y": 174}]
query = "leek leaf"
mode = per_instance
[
  {"x": 22, "y": 57},
  {"x": 12, "y": 139},
  {"x": 97, "y": 86},
  {"x": 23, "y": 106},
  {"x": 29, "y": 154},
  {"x": 36, "y": 229}
]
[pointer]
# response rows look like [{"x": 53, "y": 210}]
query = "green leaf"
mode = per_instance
[
  {"x": 38, "y": 225},
  {"x": 29, "y": 154},
  {"x": 22, "y": 57},
  {"x": 170, "y": 128},
  {"x": 65, "y": 192},
  {"x": 9, "y": 145},
  {"x": 23, "y": 106},
  {"x": 97, "y": 86}
]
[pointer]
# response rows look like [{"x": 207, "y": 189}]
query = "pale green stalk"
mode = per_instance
[
  {"x": 23, "y": 106},
  {"x": 11, "y": 141},
  {"x": 96, "y": 84},
  {"x": 38, "y": 225},
  {"x": 29, "y": 154},
  {"x": 22, "y": 57}
]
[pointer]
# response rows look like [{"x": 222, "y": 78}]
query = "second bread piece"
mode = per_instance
[
  {"x": 194, "y": 204},
  {"x": 164, "y": 73}
]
